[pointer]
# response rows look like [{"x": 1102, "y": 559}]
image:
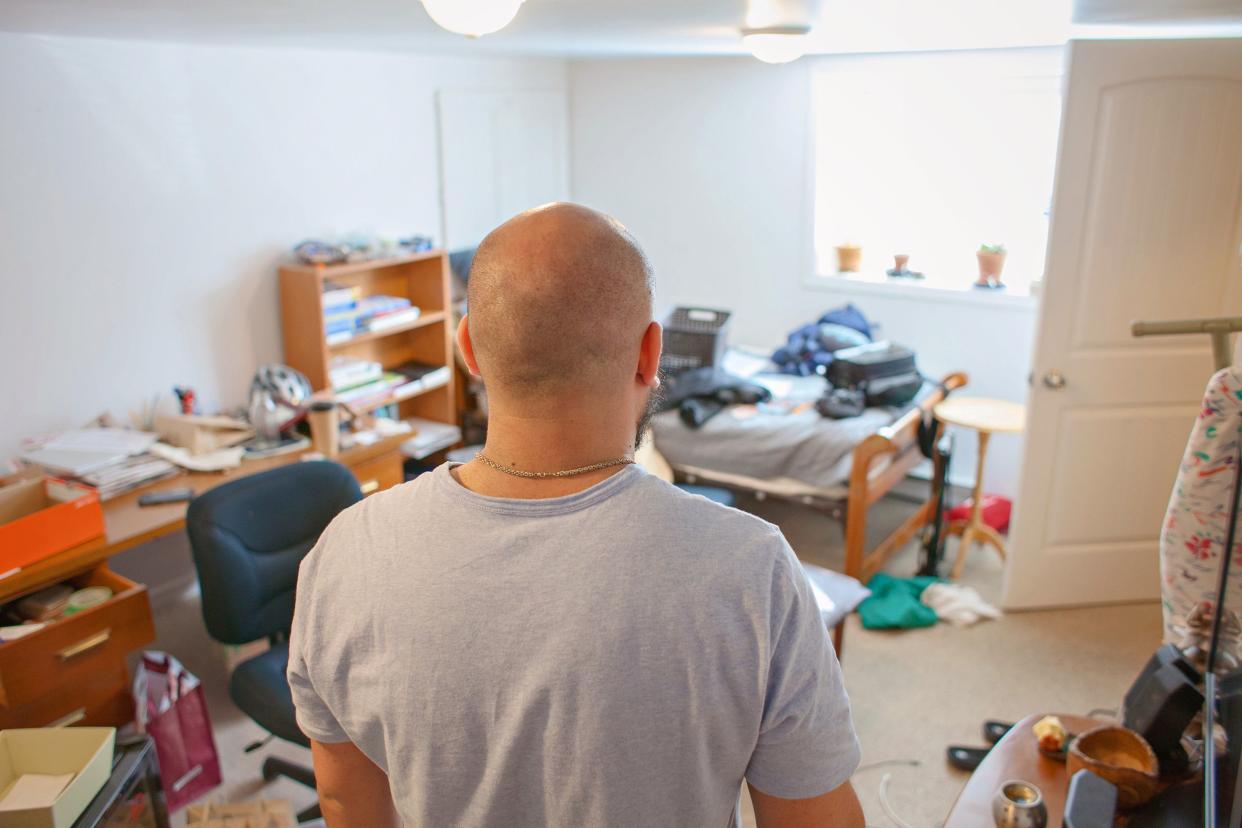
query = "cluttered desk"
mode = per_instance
[
  {"x": 46, "y": 664},
  {"x": 369, "y": 383}
]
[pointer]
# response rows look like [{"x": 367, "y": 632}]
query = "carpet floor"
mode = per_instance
[{"x": 912, "y": 692}]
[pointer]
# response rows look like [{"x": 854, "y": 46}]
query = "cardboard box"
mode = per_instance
[
  {"x": 265, "y": 813},
  {"x": 42, "y": 517},
  {"x": 85, "y": 752},
  {"x": 201, "y": 435}
]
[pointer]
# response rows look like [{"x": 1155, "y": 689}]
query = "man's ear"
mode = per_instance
[
  {"x": 466, "y": 346},
  {"x": 649, "y": 356}
]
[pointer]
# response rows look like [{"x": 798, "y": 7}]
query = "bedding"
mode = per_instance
[{"x": 785, "y": 442}]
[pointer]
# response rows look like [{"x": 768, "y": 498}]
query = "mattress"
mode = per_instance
[{"x": 777, "y": 447}]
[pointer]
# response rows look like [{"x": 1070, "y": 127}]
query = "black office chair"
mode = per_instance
[{"x": 248, "y": 538}]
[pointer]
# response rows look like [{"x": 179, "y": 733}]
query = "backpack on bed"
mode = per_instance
[{"x": 884, "y": 372}]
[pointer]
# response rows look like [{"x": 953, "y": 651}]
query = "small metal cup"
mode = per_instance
[{"x": 1019, "y": 804}]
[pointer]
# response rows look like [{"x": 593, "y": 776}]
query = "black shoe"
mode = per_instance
[
  {"x": 965, "y": 758},
  {"x": 994, "y": 731}
]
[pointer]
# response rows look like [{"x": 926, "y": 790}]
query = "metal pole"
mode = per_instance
[{"x": 1218, "y": 328}]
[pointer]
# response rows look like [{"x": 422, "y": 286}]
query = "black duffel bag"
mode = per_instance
[{"x": 884, "y": 372}]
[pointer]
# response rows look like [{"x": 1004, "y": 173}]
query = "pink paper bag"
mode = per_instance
[{"x": 172, "y": 709}]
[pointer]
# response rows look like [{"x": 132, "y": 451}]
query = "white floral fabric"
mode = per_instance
[{"x": 1196, "y": 523}]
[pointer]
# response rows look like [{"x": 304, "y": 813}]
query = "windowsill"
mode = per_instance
[{"x": 881, "y": 285}]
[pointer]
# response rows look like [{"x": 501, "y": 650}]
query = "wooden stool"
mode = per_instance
[{"x": 986, "y": 417}]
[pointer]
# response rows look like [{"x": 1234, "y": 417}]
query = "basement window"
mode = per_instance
[{"x": 932, "y": 155}]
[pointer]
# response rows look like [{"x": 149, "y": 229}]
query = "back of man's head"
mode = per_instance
[{"x": 559, "y": 299}]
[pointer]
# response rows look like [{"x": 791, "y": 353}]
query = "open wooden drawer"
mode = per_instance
[{"x": 77, "y": 650}]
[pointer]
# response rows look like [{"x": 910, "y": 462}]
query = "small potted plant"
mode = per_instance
[
  {"x": 849, "y": 258},
  {"x": 991, "y": 263}
]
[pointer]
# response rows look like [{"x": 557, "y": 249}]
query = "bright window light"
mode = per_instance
[{"x": 931, "y": 155}]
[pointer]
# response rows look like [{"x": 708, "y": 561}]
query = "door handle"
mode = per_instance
[{"x": 1054, "y": 380}]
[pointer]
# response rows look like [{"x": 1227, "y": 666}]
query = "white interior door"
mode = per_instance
[
  {"x": 500, "y": 153},
  {"x": 1146, "y": 224}
]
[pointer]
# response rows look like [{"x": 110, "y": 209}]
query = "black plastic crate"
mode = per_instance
[{"x": 694, "y": 338}]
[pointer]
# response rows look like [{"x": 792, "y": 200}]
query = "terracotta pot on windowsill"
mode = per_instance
[
  {"x": 990, "y": 267},
  {"x": 849, "y": 258}
]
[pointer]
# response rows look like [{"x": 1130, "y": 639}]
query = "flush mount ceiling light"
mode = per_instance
[
  {"x": 473, "y": 18},
  {"x": 776, "y": 44}
]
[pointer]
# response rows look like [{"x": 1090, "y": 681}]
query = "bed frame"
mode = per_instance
[{"x": 898, "y": 443}]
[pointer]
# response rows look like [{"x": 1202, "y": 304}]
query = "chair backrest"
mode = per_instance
[{"x": 248, "y": 538}]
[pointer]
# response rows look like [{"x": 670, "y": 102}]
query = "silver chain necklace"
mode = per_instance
[{"x": 607, "y": 464}]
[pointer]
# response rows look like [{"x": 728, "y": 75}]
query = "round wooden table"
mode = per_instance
[
  {"x": 986, "y": 417},
  {"x": 1017, "y": 756}
]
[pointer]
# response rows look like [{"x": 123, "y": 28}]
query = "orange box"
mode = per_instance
[{"x": 44, "y": 516}]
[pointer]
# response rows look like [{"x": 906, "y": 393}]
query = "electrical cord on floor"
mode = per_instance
[
  {"x": 885, "y": 805},
  {"x": 911, "y": 763}
]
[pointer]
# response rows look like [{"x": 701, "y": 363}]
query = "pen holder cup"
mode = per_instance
[{"x": 325, "y": 429}]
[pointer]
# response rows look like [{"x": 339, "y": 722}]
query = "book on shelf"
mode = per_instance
[
  {"x": 394, "y": 319},
  {"x": 429, "y": 437},
  {"x": 345, "y": 321},
  {"x": 337, "y": 298},
  {"x": 417, "y": 377},
  {"x": 345, "y": 372},
  {"x": 369, "y": 392},
  {"x": 366, "y": 315}
]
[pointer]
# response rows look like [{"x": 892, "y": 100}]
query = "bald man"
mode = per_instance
[{"x": 547, "y": 635}]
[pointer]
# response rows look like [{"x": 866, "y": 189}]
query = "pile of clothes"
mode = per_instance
[
  {"x": 809, "y": 348},
  {"x": 906, "y": 603},
  {"x": 702, "y": 393}
]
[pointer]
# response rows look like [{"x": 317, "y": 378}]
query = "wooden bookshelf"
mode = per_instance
[{"x": 423, "y": 278}]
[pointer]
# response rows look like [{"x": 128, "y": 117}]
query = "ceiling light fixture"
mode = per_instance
[
  {"x": 776, "y": 44},
  {"x": 473, "y": 18}
]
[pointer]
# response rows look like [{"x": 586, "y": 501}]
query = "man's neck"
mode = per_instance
[{"x": 567, "y": 438}]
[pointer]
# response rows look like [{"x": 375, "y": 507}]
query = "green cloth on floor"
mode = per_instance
[{"x": 894, "y": 603}]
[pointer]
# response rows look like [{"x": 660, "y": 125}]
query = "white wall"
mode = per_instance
[
  {"x": 147, "y": 192},
  {"x": 707, "y": 161}
]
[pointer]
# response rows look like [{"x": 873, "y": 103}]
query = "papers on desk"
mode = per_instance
[
  {"x": 218, "y": 460},
  {"x": 85, "y": 450},
  {"x": 128, "y": 473},
  {"x": 34, "y": 790}
]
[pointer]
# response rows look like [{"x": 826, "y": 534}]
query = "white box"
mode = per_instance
[{"x": 85, "y": 752}]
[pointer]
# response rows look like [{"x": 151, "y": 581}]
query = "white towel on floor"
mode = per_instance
[{"x": 959, "y": 605}]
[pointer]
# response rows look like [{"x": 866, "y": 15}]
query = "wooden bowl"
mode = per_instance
[{"x": 1120, "y": 756}]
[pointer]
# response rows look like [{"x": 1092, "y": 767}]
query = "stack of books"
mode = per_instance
[
  {"x": 417, "y": 377},
  {"x": 359, "y": 382},
  {"x": 363, "y": 384},
  {"x": 110, "y": 460},
  {"x": 346, "y": 313},
  {"x": 345, "y": 372},
  {"x": 429, "y": 437},
  {"x": 128, "y": 474}
]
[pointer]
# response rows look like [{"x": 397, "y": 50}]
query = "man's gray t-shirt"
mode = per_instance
[{"x": 625, "y": 655}]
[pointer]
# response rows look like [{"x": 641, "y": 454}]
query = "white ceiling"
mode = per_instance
[{"x": 575, "y": 27}]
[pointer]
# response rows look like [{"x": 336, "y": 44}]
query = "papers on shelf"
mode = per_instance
[{"x": 431, "y": 437}]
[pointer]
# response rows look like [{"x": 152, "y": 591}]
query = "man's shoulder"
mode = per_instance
[
  {"x": 371, "y": 521},
  {"x": 678, "y": 512}
]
